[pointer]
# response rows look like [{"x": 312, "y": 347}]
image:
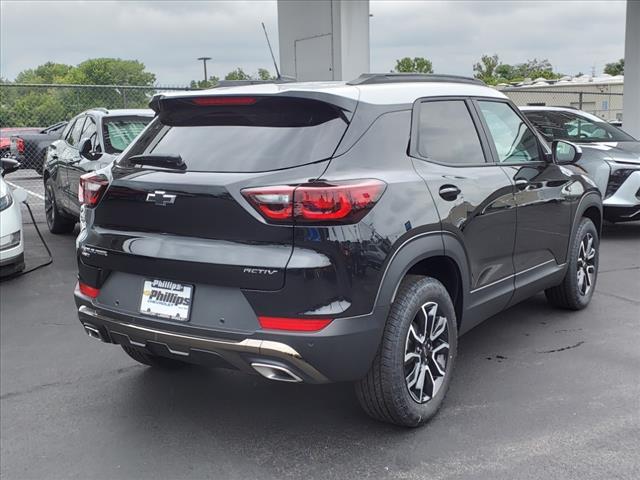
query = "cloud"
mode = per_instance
[{"x": 168, "y": 36}]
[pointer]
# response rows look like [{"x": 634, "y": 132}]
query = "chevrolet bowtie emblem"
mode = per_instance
[{"x": 161, "y": 198}]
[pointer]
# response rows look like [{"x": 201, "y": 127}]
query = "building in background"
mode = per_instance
[
  {"x": 324, "y": 39},
  {"x": 601, "y": 96}
]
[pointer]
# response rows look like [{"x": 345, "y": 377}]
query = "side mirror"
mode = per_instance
[
  {"x": 9, "y": 165},
  {"x": 564, "y": 152},
  {"x": 86, "y": 149}
]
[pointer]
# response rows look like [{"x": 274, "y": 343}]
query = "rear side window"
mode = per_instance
[
  {"x": 447, "y": 134},
  {"x": 119, "y": 132},
  {"x": 265, "y": 134}
]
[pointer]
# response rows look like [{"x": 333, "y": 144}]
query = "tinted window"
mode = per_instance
[
  {"x": 119, "y": 132},
  {"x": 514, "y": 141},
  {"x": 74, "y": 135},
  {"x": 270, "y": 134},
  {"x": 90, "y": 131},
  {"x": 557, "y": 125},
  {"x": 447, "y": 133}
]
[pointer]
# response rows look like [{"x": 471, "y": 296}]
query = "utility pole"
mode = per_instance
[{"x": 204, "y": 64}]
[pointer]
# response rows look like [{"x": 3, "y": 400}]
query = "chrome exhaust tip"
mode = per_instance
[
  {"x": 93, "y": 332},
  {"x": 276, "y": 372}
]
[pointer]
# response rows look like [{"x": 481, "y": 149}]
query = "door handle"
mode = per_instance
[
  {"x": 449, "y": 192},
  {"x": 521, "y": 183}
]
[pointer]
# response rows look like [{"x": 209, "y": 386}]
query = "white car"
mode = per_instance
[{"x": 11, "y": 241}]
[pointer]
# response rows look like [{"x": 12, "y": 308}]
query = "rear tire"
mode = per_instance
[
  {"x": 411, "y": 372},
  {"x": 579, "y": 283},
  {"x": 151, "y": 360},
  {"x": 56, "y": 221}
]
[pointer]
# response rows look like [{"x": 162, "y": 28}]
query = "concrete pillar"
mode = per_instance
[
  {"x": 323, "y": 39},
  {"x": 631, "y": 106}
]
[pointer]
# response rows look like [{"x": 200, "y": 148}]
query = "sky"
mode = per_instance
[{"x": 168, "y": 36}]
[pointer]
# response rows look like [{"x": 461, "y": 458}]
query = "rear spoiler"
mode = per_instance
[{"x": 161, "y": 103}]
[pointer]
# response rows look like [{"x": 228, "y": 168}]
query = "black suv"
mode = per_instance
[
  {"x": 90, "y": 141},
  {"x": 325, "y": 232}
]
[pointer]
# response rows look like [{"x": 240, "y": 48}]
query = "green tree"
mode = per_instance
[
  {"x": 536, "y": 68},
  {"x": 414, "y": 65},
  {"x": 264, "y": 74},
  {"x": 504, "y": 72},
  {"x": 212, "y": 82},
  {"x": 237, "y": 74},
  {"x": 485, "y": 69},
  {"x": 111, "y": 71},
  {"x": 615, "y": 68},
  {"x": 49, "y": 72}
]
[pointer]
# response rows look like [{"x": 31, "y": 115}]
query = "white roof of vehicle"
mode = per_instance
[
  {"x": 381, "y": 93},
  {"x": 562, "y": 109}
]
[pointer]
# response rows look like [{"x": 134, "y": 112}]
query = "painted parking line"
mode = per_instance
[{"x": 37, "y": 195}]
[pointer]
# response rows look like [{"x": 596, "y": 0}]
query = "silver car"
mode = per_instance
[{"x": 610, "y": 156}]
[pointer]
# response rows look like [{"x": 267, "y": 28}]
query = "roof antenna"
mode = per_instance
[{"x": 275, "y": 65}]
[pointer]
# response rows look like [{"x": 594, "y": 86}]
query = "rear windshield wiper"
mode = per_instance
[{"x": 159, "y": 160}]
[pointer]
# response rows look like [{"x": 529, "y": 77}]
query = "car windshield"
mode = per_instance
[
  {"x": 119, "y": 132},
  {"x": 561, "y": 125}
]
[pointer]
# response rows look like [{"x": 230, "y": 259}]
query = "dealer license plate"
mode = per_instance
[{"x": 166, "y": 299}]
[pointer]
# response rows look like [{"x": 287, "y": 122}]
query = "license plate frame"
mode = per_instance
[{"x": 166, "y": 299}]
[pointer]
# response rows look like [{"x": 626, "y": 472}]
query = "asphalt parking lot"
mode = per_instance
[{"x": 537, "y": 393}]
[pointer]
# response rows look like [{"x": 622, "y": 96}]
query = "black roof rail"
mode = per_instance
[{"x": 378, "y": 78}]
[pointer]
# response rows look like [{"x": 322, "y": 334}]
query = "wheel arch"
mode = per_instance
[
  {"x": 434, "y": 254},
  {"x": 590, "y": 206}
]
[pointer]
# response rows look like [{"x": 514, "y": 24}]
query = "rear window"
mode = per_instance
[
  {"x": 269, "y": 134},
  {"x": 119, "y": 132}
]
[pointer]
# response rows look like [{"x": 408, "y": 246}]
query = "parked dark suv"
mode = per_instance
[
  {"x": 326, "y": 232},
  {"x": 90, "y": 141}
]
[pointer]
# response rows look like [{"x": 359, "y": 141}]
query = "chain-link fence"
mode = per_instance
[
  {"x": 27, "y": 110},
  {"x": 605, "y": 104}
]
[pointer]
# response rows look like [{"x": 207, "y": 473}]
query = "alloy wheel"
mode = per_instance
[
  {"x": 49, "y": 205},
  {"x": 586, "y": 265},
  {"x": 426, "y": 353}
]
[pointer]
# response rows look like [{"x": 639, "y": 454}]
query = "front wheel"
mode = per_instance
[
  {"x": 579, "y": 283},
  {"x": 410, "y": 374}
]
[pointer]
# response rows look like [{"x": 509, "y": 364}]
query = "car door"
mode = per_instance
[
  {"x": 473, "y": 196},
  {"x": 68, "y": 155},
  {"x": 544, "y": 192},
  {"x": 80, "y": 164}
]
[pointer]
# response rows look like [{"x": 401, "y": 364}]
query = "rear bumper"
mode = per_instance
[{"x": 343, "y": 351}]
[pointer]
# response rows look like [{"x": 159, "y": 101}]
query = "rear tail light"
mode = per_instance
[
  {"x": 294, "y": 324},
  {"x": 88, "y": 290},
  {"x": 223, "y": 100},
  {"x": 310, "y": 203},
  {"x": 91, "y": 188},
  {"x": 20, "y": 145}
]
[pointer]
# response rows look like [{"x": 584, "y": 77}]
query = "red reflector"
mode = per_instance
[
  {"x": 223, "y": 100},
  {"x": 294, "y": 324},
  {"x": 341, "y": 202},
  {"x": 88, "y": 290},
  {"x": 91, "y": 187}
]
